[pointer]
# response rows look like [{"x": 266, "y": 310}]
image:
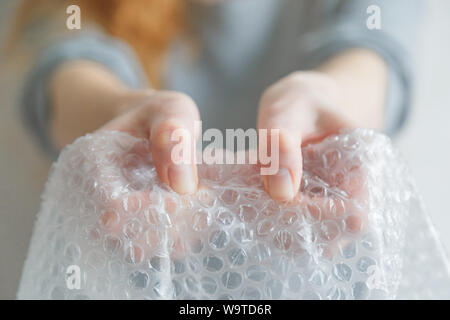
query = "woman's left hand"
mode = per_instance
[{"x": 305, "y": 107}]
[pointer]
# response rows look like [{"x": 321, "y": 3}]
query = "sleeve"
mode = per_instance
[
  {"x": 346, "y": 27},
  {"x": 112, "y": 53}
]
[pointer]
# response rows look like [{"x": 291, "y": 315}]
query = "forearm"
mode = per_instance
[
  {"x": 84, "y": 95},
  {"x": 361, "y": 77}
]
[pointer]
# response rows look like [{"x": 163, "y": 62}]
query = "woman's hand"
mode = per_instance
[
  {"x": 86, "y": 96},
  {"x": 301, "y": 107},
  {"x": 155, "y": 115},
  {"x": 348, "y": 90}
]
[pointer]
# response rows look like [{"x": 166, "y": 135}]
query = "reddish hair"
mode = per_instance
[{"x": 148, "y": 26}]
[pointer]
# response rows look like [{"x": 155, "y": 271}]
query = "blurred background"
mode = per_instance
[{"x": 424, "y": 142}]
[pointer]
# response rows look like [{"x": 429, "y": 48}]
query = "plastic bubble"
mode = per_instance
[{"x": 108, "y": 228}]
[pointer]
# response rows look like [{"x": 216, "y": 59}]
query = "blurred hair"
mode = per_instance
[{"x": 148, "y": 26}]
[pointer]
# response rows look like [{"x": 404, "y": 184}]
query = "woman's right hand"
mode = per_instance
[
  {"x": 155, "y": 115},
  {"x": 87, "y": 97}
]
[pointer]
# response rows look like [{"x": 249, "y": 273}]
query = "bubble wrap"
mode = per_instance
[{"x": 356, "y": 230}]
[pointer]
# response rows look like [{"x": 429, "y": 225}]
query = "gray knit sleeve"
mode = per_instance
[
  {"x": 112, "y": 53},
  {"x": 346, "y": 27}
]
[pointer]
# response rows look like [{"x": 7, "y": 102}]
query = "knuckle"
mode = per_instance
[
  {"x": 303, "y": 77},
  {"x": 161, "y": 136},
  {"x": 285, "y": 142},
  {"x": 178, "y": 103},
  {"x": 272, "y": 112},
  {"x": 168, "y": 133},
  {"x": 284, "y": 138},
  {"x": 179, "y": 100},
  {"x": 267, "y": 96}
]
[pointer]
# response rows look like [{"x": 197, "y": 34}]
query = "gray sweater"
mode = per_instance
[{"x": 246, "y": 46}]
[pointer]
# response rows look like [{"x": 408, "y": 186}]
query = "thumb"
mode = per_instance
[{"x": 285, "y": 183}]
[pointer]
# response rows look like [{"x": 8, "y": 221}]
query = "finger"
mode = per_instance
[
  {"x": 172, "y": 141},
  {"x": 284, "y": 184}
]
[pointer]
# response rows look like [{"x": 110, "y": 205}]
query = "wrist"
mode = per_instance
[
  {"x": 324, "y": 94},
  {"x": 361, "y": 77}
]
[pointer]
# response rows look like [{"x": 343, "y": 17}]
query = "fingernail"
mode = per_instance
[
  {"x": 280, "y": 185},
  {"x": 181, "y": 178}
]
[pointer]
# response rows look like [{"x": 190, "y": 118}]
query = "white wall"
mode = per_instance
[
  {"x": 23, "y": 171},
  {"x": 425, "y": 143}
]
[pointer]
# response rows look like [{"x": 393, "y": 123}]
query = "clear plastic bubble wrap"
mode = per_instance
[{"x": 356, "y": 230}]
